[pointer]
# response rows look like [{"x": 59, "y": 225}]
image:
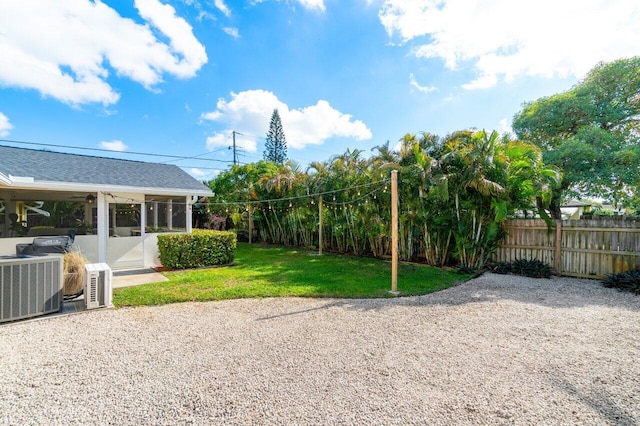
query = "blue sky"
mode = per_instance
[{"x": 177, "y": 76}]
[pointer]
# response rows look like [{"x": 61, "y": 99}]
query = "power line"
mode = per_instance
[
  {"x": 111, "y": 151},
  {"x": 196, "y": 157},
  {"x": 201, "y": 168}
]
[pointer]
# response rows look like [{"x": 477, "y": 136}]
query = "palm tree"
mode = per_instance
[
  {"x": 530, "y": 182},
  {"x": 474, "y": 173}
]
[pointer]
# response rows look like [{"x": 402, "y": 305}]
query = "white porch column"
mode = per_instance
[
  {"x": 170, "y": 214},
  {"x": 102, "y": 226},
  {"x": 155, "y": 214},
  {"x": 113, "y": 218},
  {"x": 143, "y": 219},
  {"x": 188, "y": 224}
]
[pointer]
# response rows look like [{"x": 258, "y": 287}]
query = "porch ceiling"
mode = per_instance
[
  {"x": 75, "y": 196},
  {"x": 31, "y": 195}
]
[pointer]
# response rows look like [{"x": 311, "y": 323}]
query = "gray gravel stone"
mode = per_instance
[{"x": 495, "y": 350}]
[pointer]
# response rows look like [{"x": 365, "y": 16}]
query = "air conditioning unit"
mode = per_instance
[
  {"x": 30, "y": 286},
  {"x": 97, "y": 285}
]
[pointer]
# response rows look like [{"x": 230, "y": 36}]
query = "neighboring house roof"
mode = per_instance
[
  {"x": 575, "y": 203},
  {"x": 22, "y": 167}
]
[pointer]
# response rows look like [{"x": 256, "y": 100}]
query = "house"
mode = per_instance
[
  {"x": 574, "y": 209},
  {"x": 115, "y": 207}
]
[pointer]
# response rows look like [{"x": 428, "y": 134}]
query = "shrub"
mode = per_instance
[
  {"x": 531, "y": 268},
  {"x": 500, "y": 267},
  {"x": 528, "y": 268},
  {"x": 199, "y": 249},
  {"x": 467, "y": 270},
  {"x": 625, "y": 281}
]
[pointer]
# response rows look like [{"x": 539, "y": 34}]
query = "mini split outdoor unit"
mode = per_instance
[{"x": 97, "y": 285}]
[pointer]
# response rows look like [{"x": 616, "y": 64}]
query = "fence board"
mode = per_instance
[{"x": 591, "y": 248}]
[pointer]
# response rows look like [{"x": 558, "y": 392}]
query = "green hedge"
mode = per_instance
[{"x": 199, "y": 249}]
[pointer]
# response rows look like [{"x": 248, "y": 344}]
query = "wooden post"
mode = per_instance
[
  {"x": 320, "y": 226},
  {"x": 558, "y": 254},
  {"x": 394, "y": 231},
  {"x": 250, "y": 223}
]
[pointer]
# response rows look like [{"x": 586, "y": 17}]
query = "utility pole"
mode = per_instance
[
  {"x": 235, "y": 150},
  {"x": 235, "y": 157}
]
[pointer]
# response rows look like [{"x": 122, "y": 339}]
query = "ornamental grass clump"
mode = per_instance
[
  {"x": 74, "y": 274},
  {"x": 625, "y": 281}
]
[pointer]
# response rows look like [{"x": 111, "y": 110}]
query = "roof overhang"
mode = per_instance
[
  {"x": 29, "y": 183},
  {"x": 5, "y": 180}
]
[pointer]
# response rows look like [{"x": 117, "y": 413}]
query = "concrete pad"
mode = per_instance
[{"x": 136, "y": 277}]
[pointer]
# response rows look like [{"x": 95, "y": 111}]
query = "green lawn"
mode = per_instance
[{"x": 261, "y": 271}]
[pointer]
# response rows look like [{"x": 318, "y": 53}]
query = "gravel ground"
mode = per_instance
[{"x": 495, "y": 350}]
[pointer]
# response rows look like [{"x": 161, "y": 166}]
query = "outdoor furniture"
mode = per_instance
[{"x": 46, "y": 245}]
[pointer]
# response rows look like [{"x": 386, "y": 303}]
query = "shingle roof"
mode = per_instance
[
  {"x": 84, "y": 169},
  {"x": 575, "y": 203}
]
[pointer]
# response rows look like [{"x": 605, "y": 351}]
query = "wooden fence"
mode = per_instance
[{"x": 588, "y": 248}]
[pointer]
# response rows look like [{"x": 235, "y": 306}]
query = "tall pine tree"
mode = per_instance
[{"x": 275, "y": 147}]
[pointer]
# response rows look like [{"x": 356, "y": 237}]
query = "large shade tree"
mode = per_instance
[{"x": 591, "y": 132}]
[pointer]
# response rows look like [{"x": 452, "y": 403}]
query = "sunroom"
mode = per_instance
[{"x": 113, "y": 208}]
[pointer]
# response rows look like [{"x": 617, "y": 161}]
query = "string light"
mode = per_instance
[{"x": 247, "y": 203}]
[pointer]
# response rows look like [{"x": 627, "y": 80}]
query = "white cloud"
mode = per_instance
[
  {"x": 114, "y": 145},
  {"x": 506, "y": 39},
  {"x": 197, "y": 173},
  {"x": 307, "y": 4},
  {"x": 222, "y": 7},
  {"x": 5, "y": 125},
  {"x": 233, "y": 32},
  {"x": 504, "y": 126},
  {"x": 313, "y": 4},
  {"x": 250, "y": 112},
  {"x": 186, "y": 55},
  {"x": 424, "y": 89},
  {"x": 61, "y": 48}
]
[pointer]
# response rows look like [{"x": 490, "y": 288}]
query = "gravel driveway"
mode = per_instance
[{"x": 495, "y": 350}]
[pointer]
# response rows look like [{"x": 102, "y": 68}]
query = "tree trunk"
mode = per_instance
[{"x": 554, "y": 206}]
